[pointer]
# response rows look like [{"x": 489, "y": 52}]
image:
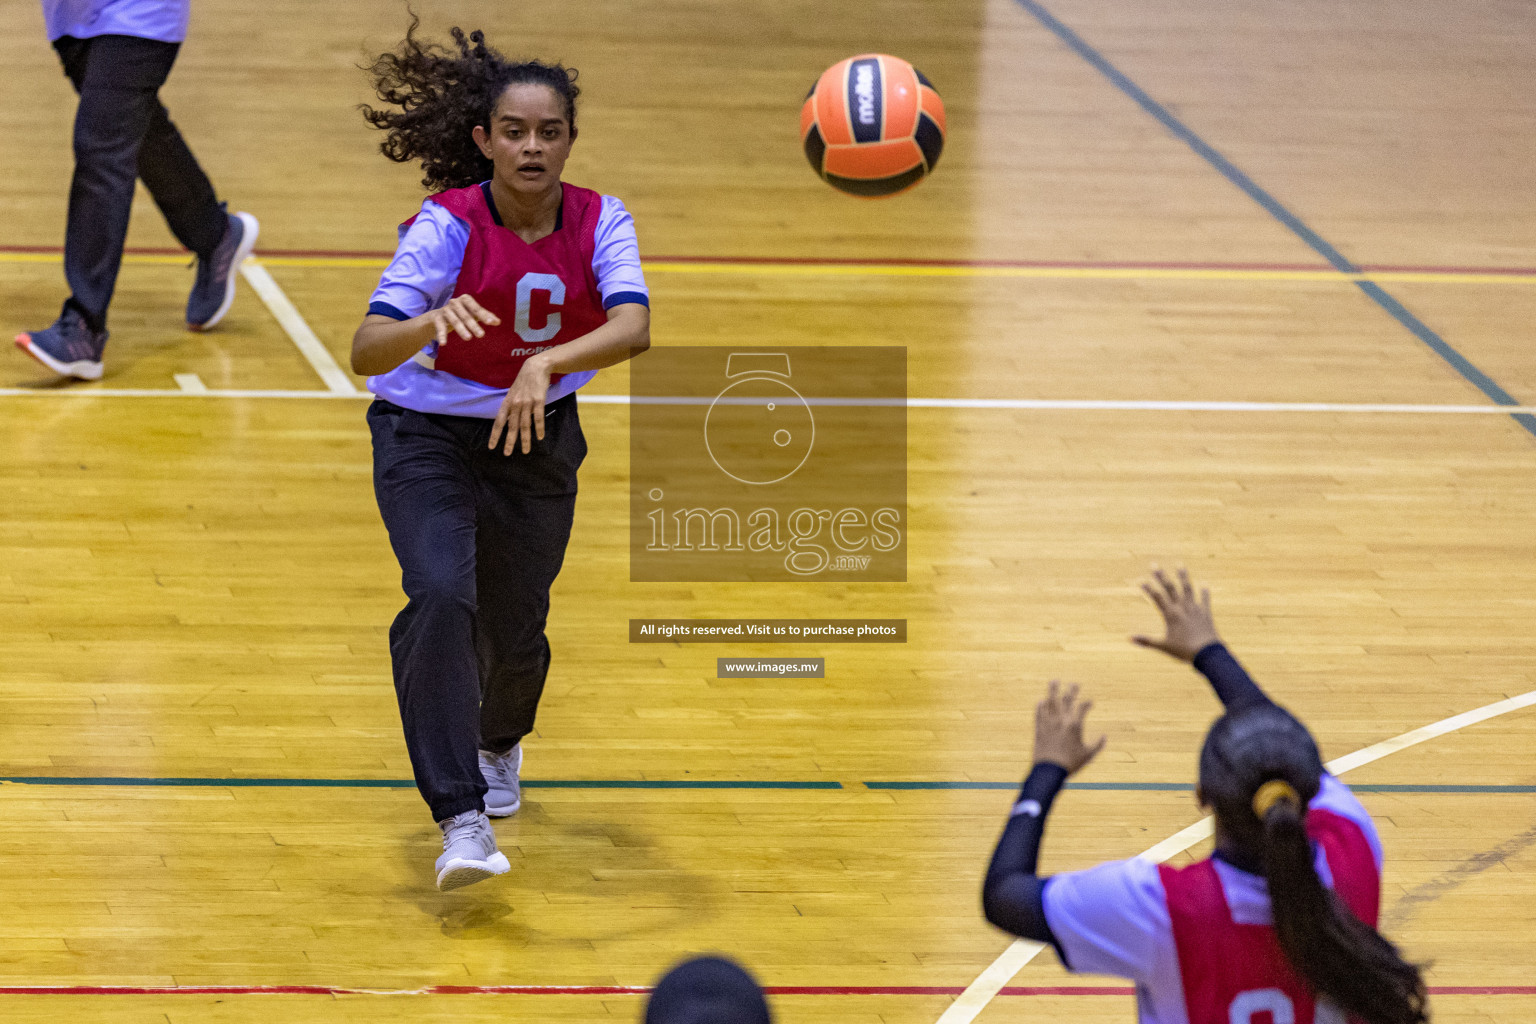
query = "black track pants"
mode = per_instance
[
  {"x": 480, "y": 537},
  {"x": 121, "y": 133}
]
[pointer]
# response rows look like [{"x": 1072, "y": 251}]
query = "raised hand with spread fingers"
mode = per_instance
[
  {"x": 1187, "y": 623},
  {"x": 1059, "y": 720}
]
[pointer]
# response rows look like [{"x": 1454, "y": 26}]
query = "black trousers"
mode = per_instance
[
  {"x": 480, "y": 537},
  {"x": 122, "y": 133}
]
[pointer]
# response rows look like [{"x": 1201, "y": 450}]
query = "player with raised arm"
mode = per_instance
[{"x": 1277, "y": 925}]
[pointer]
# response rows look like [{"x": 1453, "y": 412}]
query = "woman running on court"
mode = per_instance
[
  {"x": 508, "y": 291},
  {"x": 1277, "y": 926}
]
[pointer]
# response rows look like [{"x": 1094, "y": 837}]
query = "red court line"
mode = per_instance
[
  {"x": 633, "y": 990},
  {"x": 854, "y": 261}
]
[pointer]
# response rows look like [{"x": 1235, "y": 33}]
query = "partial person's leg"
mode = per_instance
[
  {"x": 423, "y": 483},
  {"x": 73, "y": 54},
  {"x": 118, "y": 83},
  {"x": 196, "y": 217},
  {"x": 108, "y": 124},
  {"x": 525, "y": 507},
  {"x": 180, "y": 188}
]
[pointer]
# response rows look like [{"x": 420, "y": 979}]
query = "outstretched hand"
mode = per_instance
[
  {"x": 1059, "y": 729},
  {"x": 1187, "y": 623}
]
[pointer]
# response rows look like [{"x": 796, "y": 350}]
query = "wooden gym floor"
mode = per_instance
[{"x": 1256, "y": 214}]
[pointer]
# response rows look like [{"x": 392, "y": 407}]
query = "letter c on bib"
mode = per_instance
[{"x": 526, "y": 286}]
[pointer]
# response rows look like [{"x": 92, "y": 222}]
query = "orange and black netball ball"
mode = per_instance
[{"x": 872, "y": 125}]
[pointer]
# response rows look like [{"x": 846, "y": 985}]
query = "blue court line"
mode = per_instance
[
  {"x": 790, "y": 784},
  {"x": 1277, "y": 210}
]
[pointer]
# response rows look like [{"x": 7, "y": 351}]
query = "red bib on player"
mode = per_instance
[
  {"x": 1235, "y": 973},
  {"x": 545, "y": 293}
]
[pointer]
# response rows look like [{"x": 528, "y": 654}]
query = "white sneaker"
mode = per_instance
[
  {"x": 502, "y": 774},
  {"x": 469, "y": 852}
]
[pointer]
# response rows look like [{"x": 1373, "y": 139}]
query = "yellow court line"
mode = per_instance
[
  {"x": 364, "y": 262},
  {"x": 885, "y": 270},
  {"x": 53, "y": 257}
]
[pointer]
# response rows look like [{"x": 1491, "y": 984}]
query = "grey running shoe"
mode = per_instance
[
  {"x": 503, "y": 775},
  {"x": 214, "y": 289},
  {"x": 69, "y": 348},
  {"x": 469, "y": 852}
]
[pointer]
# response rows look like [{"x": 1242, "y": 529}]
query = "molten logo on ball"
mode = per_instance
[{"x": 864, "y": 94}]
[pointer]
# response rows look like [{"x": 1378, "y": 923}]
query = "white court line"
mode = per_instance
[
  {"x": 191, "y": 383},
  {"x": 1090, "y": 404},
  {"x": 1045, "y": 404},
  {"x": 288, "y": 315},
  {"x": 991, "y": 981}
]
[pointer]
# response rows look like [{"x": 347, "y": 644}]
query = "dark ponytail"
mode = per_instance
[
  {"x": 442, "y": 94},
  {"x": 1262, "y": 760}
]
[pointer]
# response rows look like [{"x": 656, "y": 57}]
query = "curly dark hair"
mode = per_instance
[{"x": 440, "y": 96}]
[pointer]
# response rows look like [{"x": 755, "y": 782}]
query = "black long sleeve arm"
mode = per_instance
[
  {"x": 1012, "y": 895},
  {"x": 1234, "y": 687}
]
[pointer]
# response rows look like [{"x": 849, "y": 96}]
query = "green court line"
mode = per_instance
[
  {"x": 1432, "y": 788},
  {"x": 789, "y": 784},
  {"x": 1172, "y": 787}
]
